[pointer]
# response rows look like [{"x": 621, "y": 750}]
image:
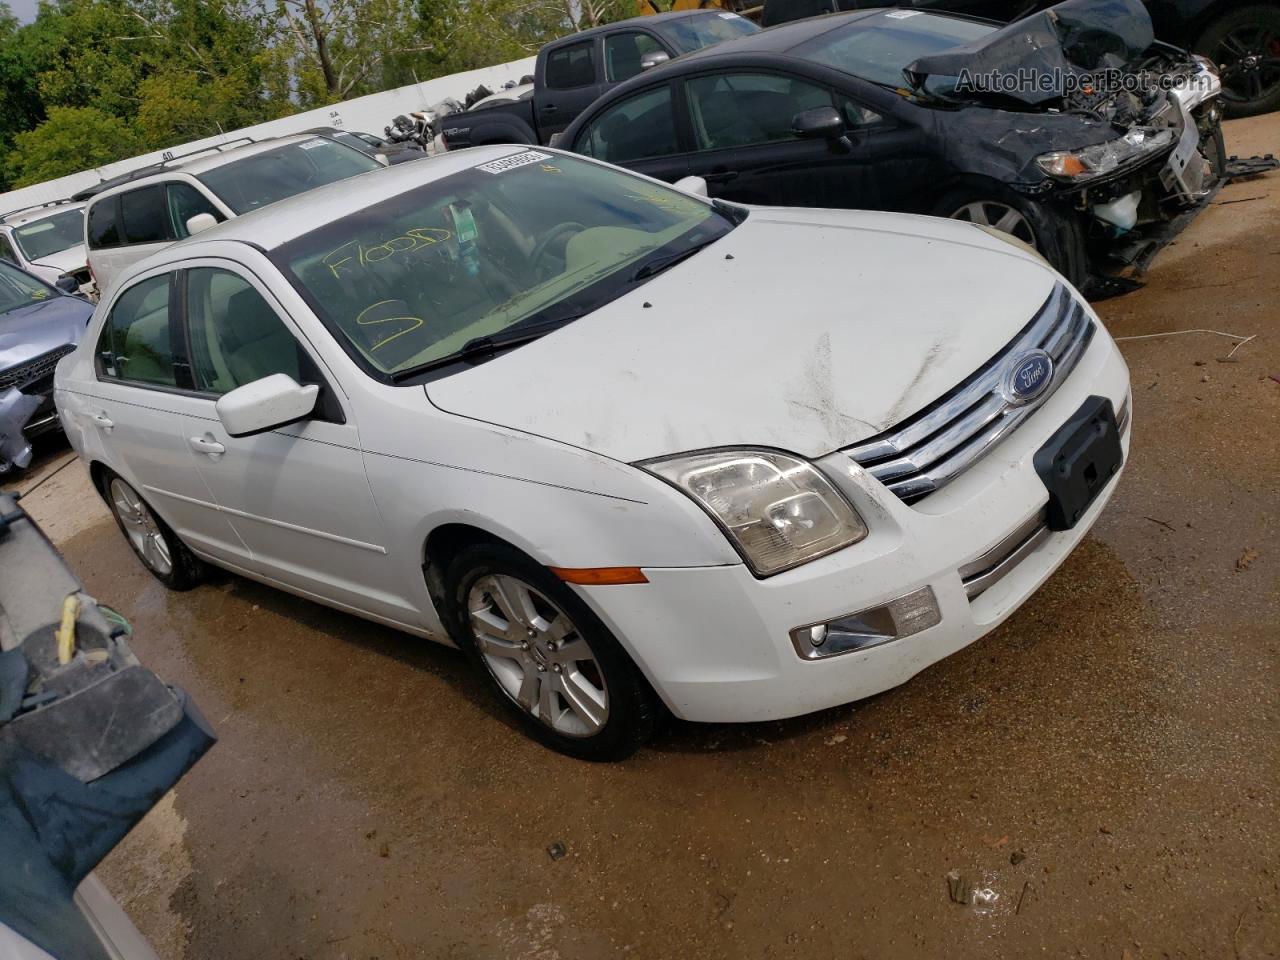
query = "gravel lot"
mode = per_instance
[{"x": 1106, "y": 764}]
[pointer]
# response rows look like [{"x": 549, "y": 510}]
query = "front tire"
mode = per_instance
[
  {"x": 151, "y": 539},
  {"x": 553, "y": 665},
  {"x": 1055, "y": 237}
]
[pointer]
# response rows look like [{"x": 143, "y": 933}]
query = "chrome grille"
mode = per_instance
[
  {"x": 37, "y": 369},
  {"x": 933, "y": 447}
]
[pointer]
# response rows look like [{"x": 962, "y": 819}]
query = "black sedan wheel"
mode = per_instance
[{"x": 1245, "y": 44}]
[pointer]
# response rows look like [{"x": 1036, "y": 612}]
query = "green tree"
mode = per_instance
[{"x": 71, "y": 140}]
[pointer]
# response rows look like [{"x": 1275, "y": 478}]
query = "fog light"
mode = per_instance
[{"x": 894, "y": 620}]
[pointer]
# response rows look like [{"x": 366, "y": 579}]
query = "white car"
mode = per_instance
[
  {"x": 630, "y": 448},
  {"x": 47, "y": 241},
  {"x": 151, "y": 208}
]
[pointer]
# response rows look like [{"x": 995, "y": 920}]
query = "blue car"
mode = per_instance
[{"x": 39, "y": 325}]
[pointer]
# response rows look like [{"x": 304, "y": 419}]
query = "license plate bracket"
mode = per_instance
[{"x": 1078, "y": 461}]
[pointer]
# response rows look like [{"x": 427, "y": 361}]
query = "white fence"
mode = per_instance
[{"x": 366, "y": 114}]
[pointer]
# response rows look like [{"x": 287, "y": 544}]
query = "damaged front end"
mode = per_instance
[{"x": 1132, "y": 127}]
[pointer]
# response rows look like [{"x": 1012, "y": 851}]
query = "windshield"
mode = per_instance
[
  {"x": 878, "y": 48},
  {"x": 51, "y": 235},
  {"x": 514, "y": 242},
  {"x": 18, "y": 289},
  {"x": 693, "y": 33},
  {"x": 284, "y": 171}
]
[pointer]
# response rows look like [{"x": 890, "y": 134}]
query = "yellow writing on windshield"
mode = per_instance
[
  {"x": 370, "y": 316},
  {"x": 354, "y": 254}
]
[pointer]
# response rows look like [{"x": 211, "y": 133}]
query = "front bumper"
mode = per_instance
[{"x": 715, "y": 641}]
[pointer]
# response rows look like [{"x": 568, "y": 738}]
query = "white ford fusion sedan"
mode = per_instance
[{"x": 634, "y": 451}]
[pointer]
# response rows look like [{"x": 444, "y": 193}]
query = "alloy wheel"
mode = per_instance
[
  {"x": 141, "y": 527},
  {"x": 1001, "y": 216},
  {"x": 538, "y": 656},
  {"x": 1250, "y": 62}
]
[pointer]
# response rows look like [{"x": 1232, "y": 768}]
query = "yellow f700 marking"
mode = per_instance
[{"x": 411, "y": 240}]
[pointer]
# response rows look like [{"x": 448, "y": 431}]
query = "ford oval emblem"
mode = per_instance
[{"x": 1028, "y": 377}]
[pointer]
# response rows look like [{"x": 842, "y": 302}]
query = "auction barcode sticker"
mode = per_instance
[{"x": 513, "y": 161}]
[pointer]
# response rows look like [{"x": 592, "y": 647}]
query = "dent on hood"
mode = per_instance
[{"x": 1067, "y": 39}]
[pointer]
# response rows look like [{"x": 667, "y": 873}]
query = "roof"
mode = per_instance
[
  {"x": 640, "y": 22},
  {"x": 285, "y": 220},
  {"x": 20, "y": 218},
  {"x": 196, "y": 165}
]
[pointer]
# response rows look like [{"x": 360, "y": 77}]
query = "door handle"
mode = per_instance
[
  {"x": 204, "y": 445},
  {"x": 549, "y": 108},
  {"x": 102, "y": 420},
  {"x": 720, "y": 176}
]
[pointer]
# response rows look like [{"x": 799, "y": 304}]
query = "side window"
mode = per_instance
[
  {"x": 856, "y": 115},
  {"x": 637, "y": 128},
  {"x": 741, "y": 109},
  {"x": 103, "y": 228},
  {"x": 144, "y": 216},
  {"x": 185, "y": 201},
  {"x": 622, "y": 54},
  {"x": 6, "y": 250},
  {"x": 135, "y": 342},
  {"x": 236, "y": 337},
  {"x": 571, "y": 66}
]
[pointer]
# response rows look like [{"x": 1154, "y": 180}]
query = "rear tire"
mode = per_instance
[
  {"x": 153, "y": 542},
  {"x": 550, "y": 661},
  {"x": 1245, "y": 44}
]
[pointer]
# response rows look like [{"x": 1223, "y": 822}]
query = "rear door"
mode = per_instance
[
  {"x": 135, "y": 410},
  {"x": 125, "y": 228},
  {"x": 571, "y": 79}
]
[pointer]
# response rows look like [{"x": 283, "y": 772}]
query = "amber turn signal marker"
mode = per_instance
[{"x": 600, "y": 576}]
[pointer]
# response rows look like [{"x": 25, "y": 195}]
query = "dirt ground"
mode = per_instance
[{"x": 1106, "y": 765}]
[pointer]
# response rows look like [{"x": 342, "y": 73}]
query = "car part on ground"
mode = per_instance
[
  {"x": 39, "y": 325},
  {"x": 1051, "y": 124},
  {"x": 520, "y": 473},
  {"x": 89, "y": 741}
]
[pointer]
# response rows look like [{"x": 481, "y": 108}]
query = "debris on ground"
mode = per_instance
[
  {"x": 957, "y": 887},
  {"x": 1017, "y": 857},
  {"x": 1239, "y": 168},
  {"x": 557, "y": 851},
  {"x": 1245, "y": 560}
]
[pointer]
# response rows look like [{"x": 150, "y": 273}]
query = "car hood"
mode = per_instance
[
  {"x": 64, "y": 261},
  {"x": 803, "y": 330},
  {"x": 30, "y": 331},
  {"x": 1064, "y": 40}
]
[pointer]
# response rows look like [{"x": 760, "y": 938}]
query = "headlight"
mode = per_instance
[
  {"x": 1103, "y": 158},
  {"x": 779, "y": 511}
]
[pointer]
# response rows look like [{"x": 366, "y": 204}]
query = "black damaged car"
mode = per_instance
[{"x": 1072, "y": 129}]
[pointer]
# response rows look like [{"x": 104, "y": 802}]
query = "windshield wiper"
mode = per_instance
[
  {"x": 482, "y": 348},
  {"x": 655, "y": 265}
]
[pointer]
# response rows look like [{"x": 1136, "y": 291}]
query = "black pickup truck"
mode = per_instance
[{"x": 572, "y": 71}]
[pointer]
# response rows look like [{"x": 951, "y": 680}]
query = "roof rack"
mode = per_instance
[
  {"x": 32, "y": 207},
  {"x": 152, "y": 168}
]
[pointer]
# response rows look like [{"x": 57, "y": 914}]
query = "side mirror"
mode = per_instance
[
  {"x": 67, "y": 283},
  {"x": 200, "y": 223},
  {"x": 821, "y": 123},
  {"x": 265, "y": 404},
  {"x": 652, "y": 59},
  {"x": 695, "y": 185}
]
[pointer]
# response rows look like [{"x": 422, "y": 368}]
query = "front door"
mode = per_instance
[
  {"x": 297, "y": 496},
  {"x": 571, "y": 80}
]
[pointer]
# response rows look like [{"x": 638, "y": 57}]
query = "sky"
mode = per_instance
[{"x": 24, "y": 10}]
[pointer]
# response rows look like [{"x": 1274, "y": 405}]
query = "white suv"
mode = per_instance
[
  {"x": 47, "y": 241},
  {"x": 628, "y": 447},
  {"x": 156, "y": 206}
]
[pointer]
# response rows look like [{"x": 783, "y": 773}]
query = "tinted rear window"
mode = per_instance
[
  {"x": 104, "y": 223},
  {"x": 144, "y": 215},
  {"x": 571, "y": 66}
]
